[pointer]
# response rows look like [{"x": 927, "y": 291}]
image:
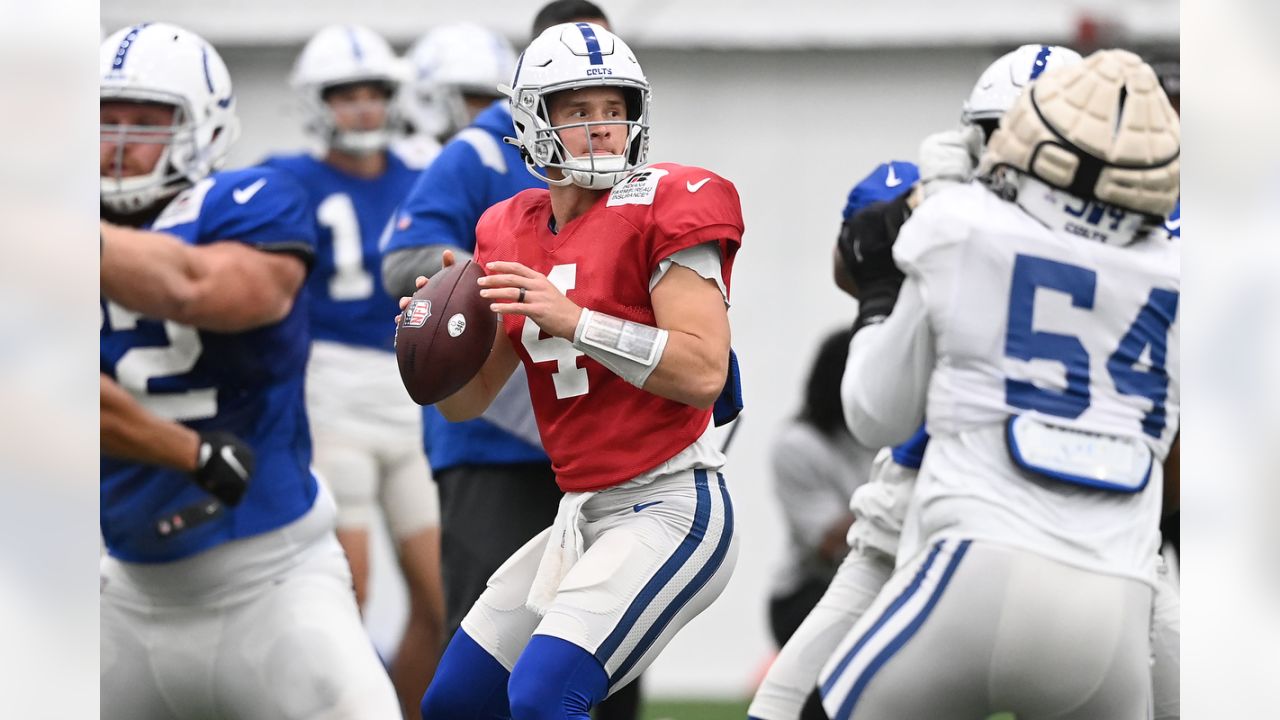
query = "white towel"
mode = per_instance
[{"x": 564, "y": 547}]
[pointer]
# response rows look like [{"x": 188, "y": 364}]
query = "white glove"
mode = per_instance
[{"x": 949, "y": 157}]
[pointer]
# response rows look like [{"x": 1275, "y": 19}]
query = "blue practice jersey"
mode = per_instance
[
  {"x": 247, "y": 383},
  {"x": 348, "y": 303},
  {"x": 474, "y": 171}
]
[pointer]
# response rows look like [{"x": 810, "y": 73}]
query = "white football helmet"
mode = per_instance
[
  {"x": 342, "y": 55},
  {"x": 1101, "y": 130},
  {"x": 569, "y": 57},
  {"x": 1005, "y": 79},
  {"x": 447, "y": 63},
  {"x": 164, "y": 64}
]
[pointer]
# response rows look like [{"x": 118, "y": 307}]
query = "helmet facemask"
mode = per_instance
[
  {"x": 544, "y": 146},
  {"x": 355, "y": 142},
  {"x": 172, "y": 171}
]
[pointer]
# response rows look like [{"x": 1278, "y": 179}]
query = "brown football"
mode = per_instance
[{"x": 445, "y": 334}]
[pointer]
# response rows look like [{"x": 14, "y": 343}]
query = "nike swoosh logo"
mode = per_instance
[
  {"x": 640, "y": 506},
  {"x": 893, "y": 180},
  {"x": 1174, "y": 224},
  {"x": 695, "y": 187},
  {"x": 229, "y": 456},
  {"x": 243, "y": 195}
]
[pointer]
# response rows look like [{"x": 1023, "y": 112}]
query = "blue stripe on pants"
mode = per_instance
[
  {"x": 884, "y": 618},
  {"x": 704, "y": 575},
  {"x": 701, "y": 516},
  {"x": 846, "y": 708}
]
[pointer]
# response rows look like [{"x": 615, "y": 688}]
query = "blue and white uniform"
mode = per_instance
[
  {"x": 1029, "y": 344},
  {"x": 248, "y": 613},
  {"x": 363, "y": 423},
  {"x": 249, "y": 383}
]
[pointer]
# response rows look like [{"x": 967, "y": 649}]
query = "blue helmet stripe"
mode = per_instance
[
  {"x": 204, "y": 56},
  {"x": 125, "y": 43},
  {"x": 515, "y": 81},
  {"x": 1042, "y": 61},
  {"x": 355, "y": 45},
  {"x": 593, "y": 45}
]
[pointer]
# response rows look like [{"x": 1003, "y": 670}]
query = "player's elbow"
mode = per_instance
[
  {"x": 707, "y": 385},
  {"x": 877, "y": 430},
  {"x": 455, "y": 412},
  {"x": 275, "y": 309},
  {"x": 183, "y": 301},
  {"x": 468, "y": 403}
]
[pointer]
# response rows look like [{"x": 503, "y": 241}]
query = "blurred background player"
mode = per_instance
[
  {"x": 1030, "y": 556},
  {"x": 816, "y": 466},
  {"x": 212, "y": 609},
  {"x": 497, "y": 489},
  {"x": 788, "y": 690},
  {"x": 644, "y": 538},
  {"x": 364, "y": 427},
  {"x": 455, "y": 72}
]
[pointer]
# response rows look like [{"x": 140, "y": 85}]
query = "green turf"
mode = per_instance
[
  {"x": 712, "y": 710},
  {"x": 694, "y": 710}
]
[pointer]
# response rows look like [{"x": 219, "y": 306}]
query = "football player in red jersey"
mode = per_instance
[{"x": 613, "y": 291}]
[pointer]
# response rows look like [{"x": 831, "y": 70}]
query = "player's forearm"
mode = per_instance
[
  {"x": 477, "y": 395},
  {"x": 150, "y": 272},
  {"x": 692, "y": 370},
  {"x": 886, "y": 379},
  {"x": 129, "y": 432},
  {"x": 224, "y": 286}
]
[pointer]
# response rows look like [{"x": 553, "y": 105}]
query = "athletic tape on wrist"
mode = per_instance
[{"x": 630, "y": 349}]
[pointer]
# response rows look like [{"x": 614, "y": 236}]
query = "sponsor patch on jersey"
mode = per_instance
[
  {"x": 457, "y": 325},
  {"x": 184, "y": 208},
  {"x": 637, "y": 188},
  {"x": 417, "y": 313}
]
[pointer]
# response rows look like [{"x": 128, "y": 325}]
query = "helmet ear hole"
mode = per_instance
[{"x": 988, "y": 126}]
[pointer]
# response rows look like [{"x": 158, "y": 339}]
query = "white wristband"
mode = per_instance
[{"x": 630, "y": 349}]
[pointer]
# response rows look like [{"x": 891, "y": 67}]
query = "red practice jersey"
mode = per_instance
[{"x": 598, "y": 429}]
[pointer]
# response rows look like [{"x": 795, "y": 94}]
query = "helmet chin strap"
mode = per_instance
[
  {"x": 595, "y": 172},
  {"x": 360, "y": 142},
  {"x": 133, "y": 194}
]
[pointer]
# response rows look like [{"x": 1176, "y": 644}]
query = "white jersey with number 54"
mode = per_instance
[{"x": 1049, "y": 361}]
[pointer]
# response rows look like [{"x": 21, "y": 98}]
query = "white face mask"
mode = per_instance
[{"x": 1072, "y": 217}]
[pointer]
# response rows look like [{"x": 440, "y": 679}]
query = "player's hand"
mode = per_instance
[
  {"x": 224, "y": 465},
  {"x": 447, "y": 260},
  {"x": 866, "y": 243},
  {"x": 949, "y": 157},
  {"x": 866, "y": 248},
  {"x": 518, "y": 290}
]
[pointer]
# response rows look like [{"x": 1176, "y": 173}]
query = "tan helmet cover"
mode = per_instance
[{"x": 1101, "y": 130}]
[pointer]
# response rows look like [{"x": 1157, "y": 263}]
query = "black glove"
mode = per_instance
[
  {"x": 224, "y": 464},
  {"x": 866, "y": 247}
]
